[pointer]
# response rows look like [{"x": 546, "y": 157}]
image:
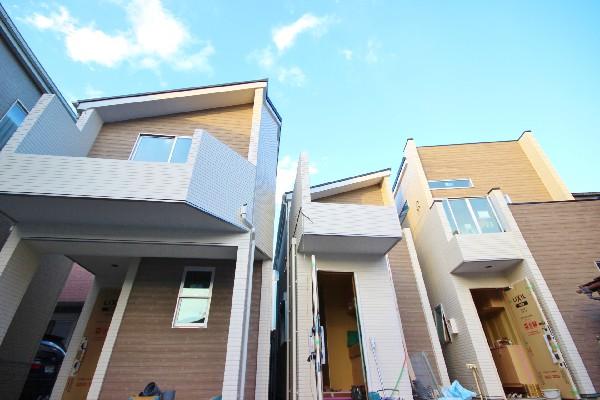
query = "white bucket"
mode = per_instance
[{"x": 551, "y": 394}]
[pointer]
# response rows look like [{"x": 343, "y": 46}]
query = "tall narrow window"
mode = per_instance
[
  {"x": 11, "y": 121},
  {"x": 160, "y": 148},
  {"x": 193, "y": 301}
]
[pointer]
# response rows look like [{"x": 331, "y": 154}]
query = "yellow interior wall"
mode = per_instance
[{"x": 337, "y": 294}]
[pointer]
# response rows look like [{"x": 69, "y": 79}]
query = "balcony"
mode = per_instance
[
  {"x": 348, "y": 228},
  {"x": 46, "y": 178},
  {"x": 475, "y": 239}
]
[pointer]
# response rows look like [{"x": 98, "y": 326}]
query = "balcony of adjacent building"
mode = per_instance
[
  {"x": 168, "y": 182},
  {"x": 471, "y": 235},
  {"x": 348, "y": 228},
  {"x": 323, "y": 222}
]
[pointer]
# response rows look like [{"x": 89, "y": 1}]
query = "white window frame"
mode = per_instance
[
  {"x": 472, "y": 213},
  {"x": 204, "y": 324},
  {"x": 450, "y": 180},
  {"x": 140, "y": 135}
]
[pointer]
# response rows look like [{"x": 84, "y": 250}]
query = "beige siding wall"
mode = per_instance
[
  {"x": 368, "y": 195},
  {"x": 188, "y": 360},
  {"x": 251, "y": 365},
  {"x": 489, "y": 165},
  {"x": 231, "y": 125},
  {"x": 410, "y": 306},
  {"x": 564, "y": 238}
]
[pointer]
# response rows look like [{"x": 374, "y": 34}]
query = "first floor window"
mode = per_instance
[
  {"x": 193, "y": 301},
  {"x": 11, "y": 121},
  {"x": 160, "y": 148}
]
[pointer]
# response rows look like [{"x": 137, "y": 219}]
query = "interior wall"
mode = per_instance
[{"x": 337, "y": 296}]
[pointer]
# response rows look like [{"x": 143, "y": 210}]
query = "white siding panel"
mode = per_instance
[
  {"x": 54, "y": 132},
  {"x": 266, "y": 175},
  {"x": 351, "y": 220},
  {"x": 378, "y": 316},
  {"x": 222, "y": 181}
]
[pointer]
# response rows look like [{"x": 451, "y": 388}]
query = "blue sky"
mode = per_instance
[{"x": 352, "y": 79}]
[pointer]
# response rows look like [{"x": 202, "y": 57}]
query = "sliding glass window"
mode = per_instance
[
  {"x": 471, "y": 216},
  {"x": 158, "y": 148}
]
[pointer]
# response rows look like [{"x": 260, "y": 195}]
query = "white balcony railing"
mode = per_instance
[
  {"x": 348, "y": 228},
  {"x": 215, "y": 179}
]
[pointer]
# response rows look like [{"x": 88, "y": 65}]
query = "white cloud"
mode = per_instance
[
  {"x": 153, "y": 37},
  {"x": 371, "y": 56},
  {"x": 347, "y": 53},
  {"x": 92, "y": 92},
  {"x": 198, "y": 61},
  {"x": 264, "y": 58},
  {"x": 286, "y": 175},
  {"x": 293, "y": 75},
  {"x": 285, "y": 36}
]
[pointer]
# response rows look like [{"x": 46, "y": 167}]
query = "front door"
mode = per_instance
[{"x": 539, "y": 341}]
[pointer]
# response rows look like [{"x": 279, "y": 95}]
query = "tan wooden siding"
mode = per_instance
[
  {"x": 231, "y": 125},
  {"x": 414, "y": 324},
  {"x": 564, "y": 238},
  {"x": 250, "y": 386},
  {"x": 489, "y": 165},
  {"x": 188, "y": 360},
  {"x": 371, "y": 195}
]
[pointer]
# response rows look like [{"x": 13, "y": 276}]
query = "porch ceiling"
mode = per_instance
[
  {"x": 41, "y": 209},
  {"x": 491, "y": 266}
]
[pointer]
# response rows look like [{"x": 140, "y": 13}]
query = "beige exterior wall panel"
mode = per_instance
[
  {"x": 488, "y": 165},
  {"x": 564, "y": 238},
  {"x": 370, "y": 195},
  {"x": 410, "y": 306},
  {"x": 188, "y": 360},
  {"x": 231, "y": 125}
]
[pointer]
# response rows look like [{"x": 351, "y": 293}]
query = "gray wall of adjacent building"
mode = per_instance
[{"x": 15, "y": 83}]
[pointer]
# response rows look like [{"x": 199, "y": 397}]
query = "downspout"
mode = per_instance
[
  {"x": 288, "y": 311},
  {"x": 247, "y": 303},
  {"x": 294, "y": 322}
]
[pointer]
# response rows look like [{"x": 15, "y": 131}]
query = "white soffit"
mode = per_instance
[
  {"x": 359, "y": 182},
  {"x": 173, "y": 102}
]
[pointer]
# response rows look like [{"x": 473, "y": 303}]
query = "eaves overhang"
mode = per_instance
[{"x": 151, "y": 104}]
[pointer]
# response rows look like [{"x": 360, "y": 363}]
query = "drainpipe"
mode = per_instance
[
  {"x": 294, "y": 322},
  {"x": 247, "y": 304}
]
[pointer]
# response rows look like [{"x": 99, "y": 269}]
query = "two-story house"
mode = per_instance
[
  {"x": 167, "y": 198},
  {"x": 502, "y": 245},
  {"x": 352, "y": 310}
]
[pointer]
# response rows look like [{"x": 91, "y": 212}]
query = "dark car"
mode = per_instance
[{"x": 44, "y": 369}]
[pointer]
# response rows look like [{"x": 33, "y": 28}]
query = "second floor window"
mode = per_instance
[
  {"x": 11, "y": 121},
  {"x": 471, "y": 215},
  {"x": 162, "y": 148}
]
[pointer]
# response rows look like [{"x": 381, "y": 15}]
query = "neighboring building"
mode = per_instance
[
  {"x": 168, "y": 199},
  {"x": 23, "y": 83},
  {"x": 503, "y": 245},
  {"x": 349, "y": 280}
]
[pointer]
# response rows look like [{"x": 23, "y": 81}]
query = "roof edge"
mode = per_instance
[
  {"x": 28, "y": 60},
  {"x": 141, "y": 94}
]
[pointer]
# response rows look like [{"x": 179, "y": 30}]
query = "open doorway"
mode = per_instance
[
  {"x": 527, "y": 357},
  {"x": 343, "y": 370},
  {"x": 510, "y": 356}
]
